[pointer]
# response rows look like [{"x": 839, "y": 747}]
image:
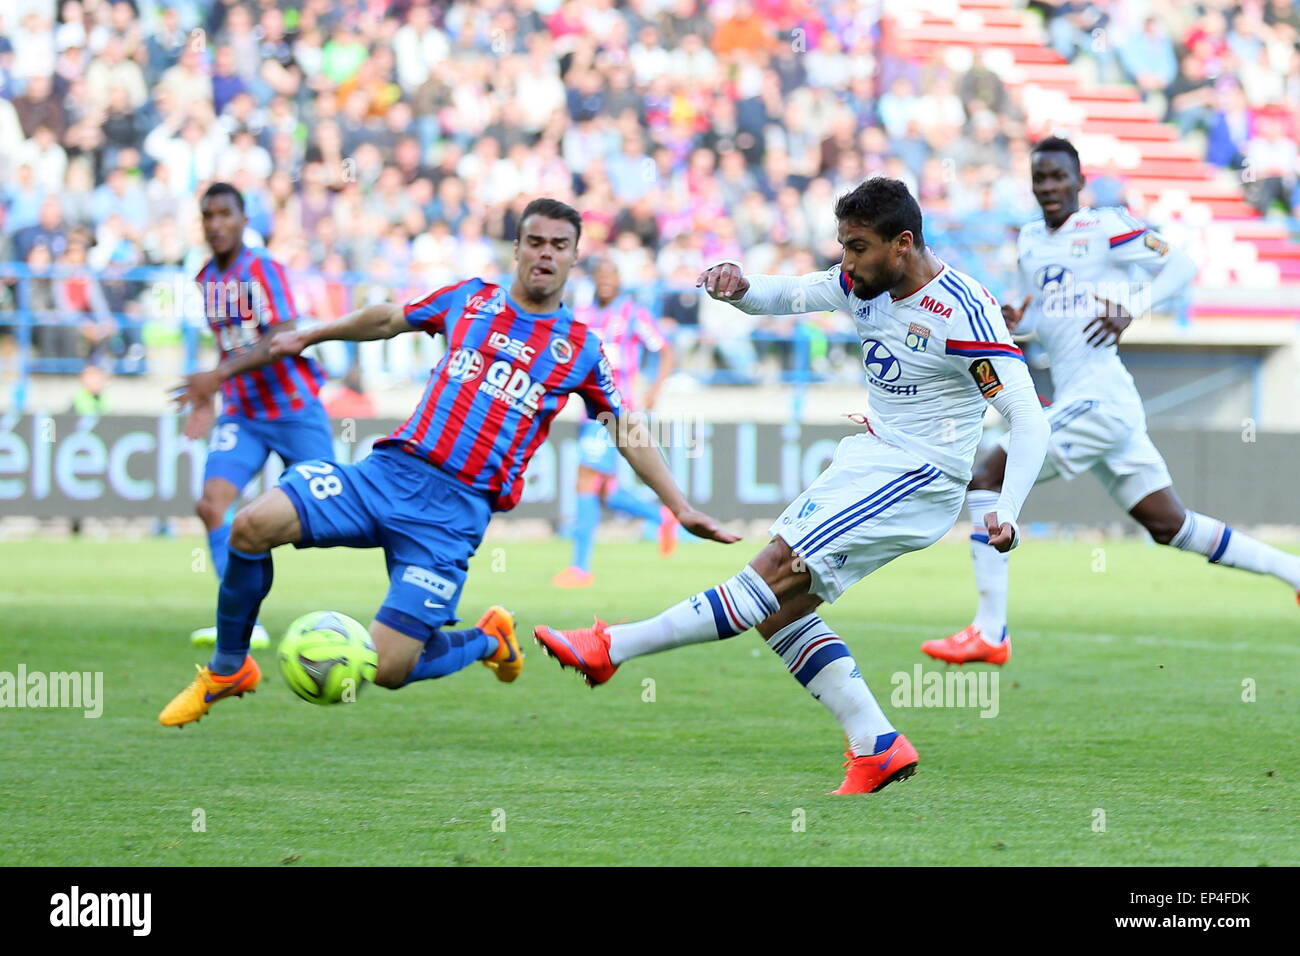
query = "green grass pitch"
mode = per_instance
[{"x": 1124, "y": 697}]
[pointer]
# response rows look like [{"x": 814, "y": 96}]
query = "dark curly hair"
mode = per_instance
[{"x": 884, "y": 206}]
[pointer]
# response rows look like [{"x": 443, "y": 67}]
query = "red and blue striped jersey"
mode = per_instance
[
  {"x": 490, "y": 400},
  {"x": 241, "y": 304},
  {"x": 625, "y": 330}
]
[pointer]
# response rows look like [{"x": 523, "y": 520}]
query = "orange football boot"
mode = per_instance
[
  {"x": 574, "y": 577},
  {"x": 968, "y": 646},
  {"x": 585, "y": 650},
  {"x": 873, "y": 773},
  {"x": 206, "y": 689},
  {"x": 507, "y": 662}
]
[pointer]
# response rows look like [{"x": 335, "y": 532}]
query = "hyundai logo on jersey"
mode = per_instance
[{"x": 879, "y": 361}]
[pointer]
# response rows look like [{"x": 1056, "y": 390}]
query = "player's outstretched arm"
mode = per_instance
[
  {"x": 382, "y": 321},
  {"x": 774, "y": 295},
  {"x": 1018, "y": 403},
  {"x": 643, "y": 455},
  {"x": 199, "y": 389}
]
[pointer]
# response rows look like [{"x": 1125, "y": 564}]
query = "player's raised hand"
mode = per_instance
[
  {"x": 1107, "y": 327},
  {"x": 1004, "y": 535},
  {"x": 703, "y": 526},
  {"x": 1012, "y": 316},
  {"x": 291, "y": 342},
  {"x": 200, "y": 420},
  {"x": 725, "y": 281}
]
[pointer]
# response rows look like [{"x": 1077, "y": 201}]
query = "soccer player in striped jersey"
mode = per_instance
[
  {"x": 935, "y": 350},
  {"x": 267, "y": 404},
  {"x": 426, "y": 492},
  {"x": 627, "y": 330},
  {"x": 1075, "y": 263}
]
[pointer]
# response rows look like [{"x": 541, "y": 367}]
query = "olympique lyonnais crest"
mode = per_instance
[
  {"x": 1079, "y": 248},
  {"x": 918, "y": 337}
]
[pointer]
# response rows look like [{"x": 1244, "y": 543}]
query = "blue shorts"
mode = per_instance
[
  {"x": 428, "y": 523},
  {"x": 240, "y": 446},
  {"x": 596, "y": 449}
]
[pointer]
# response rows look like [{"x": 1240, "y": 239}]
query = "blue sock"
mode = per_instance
[
  {"x": 624, "y": 500},
  {"x": 217, "y": 544},
  {"x": 884, "y": 742},
  {"x": 244, "y": 586},
  {"x": 584, "y": 530},
  {"x": 449, "y": 651}
]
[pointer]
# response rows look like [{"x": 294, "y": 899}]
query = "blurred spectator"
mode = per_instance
[
  {"x": 49, "y": 231},
  {"x": 1229, "y": 128},
  {"x": 46, "y": 158},
  {"x": 1148, "y": 58},
  {"x": 90, "y": 398},
  {"x": 1272, "y": 164},
  {"x": 982, "y": 85},
  {"x": 112, "y": 68},
  {"x": 1191, "y": 96},
  {"x": 38, "y": 106}
]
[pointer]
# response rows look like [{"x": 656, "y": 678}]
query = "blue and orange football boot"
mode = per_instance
[
  {"x": 873, "y": 773},
  {"x": 507, "y": 662},
  {"x": 585, "y": 650},
  {"x": 206, "y": 689},
  {"x": 968, "y": 646}
]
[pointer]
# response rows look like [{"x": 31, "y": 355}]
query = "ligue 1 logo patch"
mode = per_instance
[
  {"x": 986, "y": 377},
  {"x": 1155, "y": 244},
  {"x": 918, "y": 337},
  {"x": 562, "y": 350}
]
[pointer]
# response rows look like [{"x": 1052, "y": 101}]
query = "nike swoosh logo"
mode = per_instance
[
  {"x": 573, "y": 650},
  {"x": 431, "y": 604},
  {"x": 885, "y": 766},
  {"x": 210, "y": 697}
]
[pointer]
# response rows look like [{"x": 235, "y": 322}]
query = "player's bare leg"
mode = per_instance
[
  {"x": 212, "y": 507},
  {"x": 266, "y": 523},
  {"x": 397, "y": 654},
  {"x": 985, "y": 639},
  {"x": 773, "y": 594},
  {"x": 218, "y": 495},
  {"x": 404, "y": 659},
  {"x": 1169, "y": 522}
]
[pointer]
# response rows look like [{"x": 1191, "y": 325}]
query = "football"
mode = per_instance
[{"x": 327, "y": 657}]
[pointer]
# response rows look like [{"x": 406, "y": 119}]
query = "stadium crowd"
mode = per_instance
[
  {"x": 385, "y": 148},
  {"x": 1222, "y": 71}
]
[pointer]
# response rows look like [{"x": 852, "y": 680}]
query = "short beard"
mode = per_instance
[{"x": 872, "y": 292}]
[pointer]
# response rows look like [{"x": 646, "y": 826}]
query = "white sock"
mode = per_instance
[
  {"x": 1222, "y": 545},
  {"x": 724, "y": 611},
  {"x": 820, "y": 661},
  {"x": 990, "y": 569}
]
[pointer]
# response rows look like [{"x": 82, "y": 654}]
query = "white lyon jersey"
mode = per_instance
[
  {"x": 932, "y": 358},
  {"x": 1092, "y": 256}
]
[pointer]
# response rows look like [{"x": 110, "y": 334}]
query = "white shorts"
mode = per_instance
[
  {"x": 1108, "y": 439},
  {"x": 873, "y": 503}
]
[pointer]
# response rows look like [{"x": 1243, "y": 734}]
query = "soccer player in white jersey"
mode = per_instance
[
  {"x": 1075, "y": 263},
  {"x": 935, "y": 349}
]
